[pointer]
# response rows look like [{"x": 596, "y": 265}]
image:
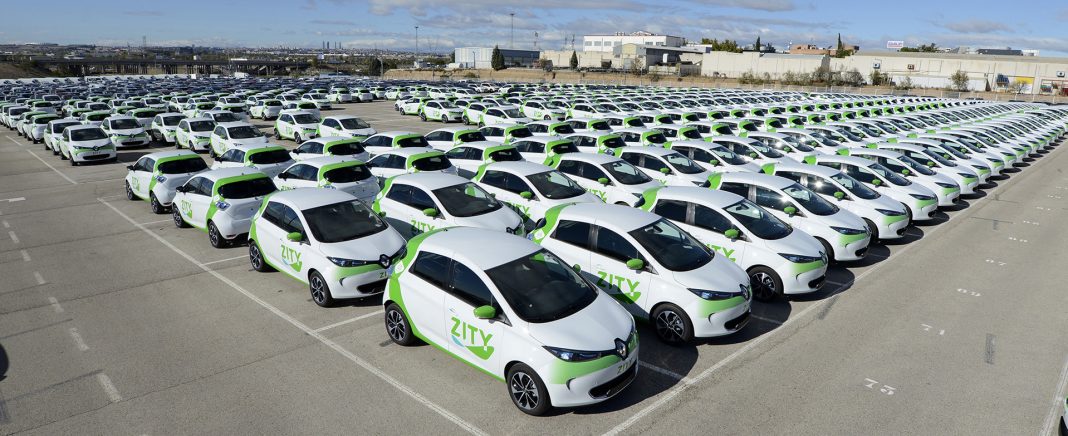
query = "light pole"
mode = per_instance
[
  {"x": 417, "y": 43},
  {"x": 511, "y": 41}
]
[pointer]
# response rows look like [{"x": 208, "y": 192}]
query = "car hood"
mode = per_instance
[
  {"x": 797, "y": 242},
  {"x": 93, "y": 143},
  {"x": 370, "y": 247},
  {"x": 594, "y": 328},
  {"x": 721, "y": 274},
  {"x": 499, "y": 219},
  {"x": 126, "y": 132},
  {"x": 257, "y": 140}
]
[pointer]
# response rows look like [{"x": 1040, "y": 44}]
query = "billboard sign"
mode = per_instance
[{"x": 895, "y": 44}]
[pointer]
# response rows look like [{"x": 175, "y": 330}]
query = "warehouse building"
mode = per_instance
[
  {"x": 482, "y": 57},
  {"x": 607, "y": 43},
  {"x": 1031, "y": 74}
]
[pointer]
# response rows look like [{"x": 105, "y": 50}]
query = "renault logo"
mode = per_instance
[
  {"x": 384, "y": 261},
  {"x": 621, "y": 349}
]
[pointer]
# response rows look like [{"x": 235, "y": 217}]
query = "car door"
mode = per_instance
[
  {"x": 308, "y": 150},
  {"x": 709, "y": 226},
  {"x": 270, "y": 232},
  {"x": 141, "y": 177},
  {"x": 466, "y": 160},
  {"x": 471, "y": 338},
  {"x": 587, "y": 176},
  {"x": 218, "y": 139},
  {"x": 291, "y": 252},
  {"x": 284, "y": 126},
  {"x": 423, "y": 290},
  {"x": 199, "y": 200},
  {"x": 608, "y": 259}
]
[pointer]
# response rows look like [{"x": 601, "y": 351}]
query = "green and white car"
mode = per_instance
[
  {"x": 296, "y": 125},
  {"x": 779, "y": 259},
  {"x": 221, "y": 203},
  {"x": 518, "y": 313},
  {"x": 665, "y": 166},
  {"x": 416, "y": 203},
  {"x": 947, "y": 190},
  {"x": 713, "y": 157},
  {"x": 345, "y": 125},
  {"x": 505, "y": 133},
  {"x": 918, "y": 199},
  {"x": 125, "y": 131},
  {"x": 613, "y": 180},
  {"x": 229, "y": 135},
  {"x": 441, "y": 110},
  {"x": 468, "y": 157},
  {"x": 326, "y": 239},
  {"x": 81, "y": 144},
  {"x": 331, "y": 172},
  {"x": 54, "y": 132},
  {"x": 843, "y": 234},
  {"x": 658, "y": 271},
  {"x": 531, "y": 188},
  {"x": 967, "y": 179},
  {"x": 164, "y": 127},
  {"x": 387, "y": 141},
  {"x": 331, "y": 146},
  {"x": 503, "y": 115},
  {"x": 155, "y": 177},
  {"x": 266, "y": 109},
  {"x": 269, "y": 159},
  {"x": 194, "y": 134},
  {"x": 408, "y": 161}
]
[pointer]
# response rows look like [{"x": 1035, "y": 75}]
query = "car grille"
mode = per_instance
[
  {"x": 739, "y": 322},
  {"x": 862, "y": 252},
  {"x": 615, "y": 385},
  {"x": 818, "y": 283},
  {"x": 373, "y": 287},
  {"x": 96, "y": 157}
]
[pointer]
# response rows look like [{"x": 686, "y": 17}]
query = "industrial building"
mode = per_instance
[
  {"x": 482, "y": 57},
  {"x": 607, "y": 43}
]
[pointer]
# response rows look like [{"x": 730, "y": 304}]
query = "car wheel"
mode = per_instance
[
  {"x": 481, "y": 125},
  {"x": 827, "y": 249},
  {"x": 320, "y": 290},
  {"x": 72, "y": 162},
  {"x": 129, "y": 193},
  {"x": 467, "y": 121},
  {"x": 211, "y": 152},
  {"x": 176, "y": 215},
  {"x": 215, "y": 237},
  {"x": 397, "y": 326},
  {"x": 547, "y": 118},
  {"x": 422, "y": 116},
  {"x": 444, "y": 119},
  {"x": 296, "y": 138},
  {"x": 673, "y": 326},
  {"x": 766, "y": 283},
  {"x": 153, "y": 202},
  {"x": 62, "y": 156},
  {"x": 527, "y": 391},
  {"x": 255, "y": 257},
  {"x": 277, "y": 134},
  {"x": 874, "y": 229},
  {"x": 54, "y": 152}
]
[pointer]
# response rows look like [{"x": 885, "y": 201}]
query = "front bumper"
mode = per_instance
[
  {"x": 804, "y": 278},
  {"x": 711, "y": 321},
  {"x": 572, "y": 384}
]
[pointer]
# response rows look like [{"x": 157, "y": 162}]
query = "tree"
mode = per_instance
[
  {"x": 904, "y": 84},
  {"x": 841, "y": 52},
  {"x": 574, "y": 60},
  {"x": 725, "y": 45},
  {"x": 636, "y": 66},
  {"x": 923, "y": 48},
  {"x": 853, "y": 78},
  {"x": 452, "y": 57},
  {"x": 757, "y": 46},
  {"x": 1017, "y": 86},
  {"x": 497, "y": 59},
  {"x": 376, "y": 67},
  {"x": 959, "y": 80},
  {"x": 876, "y": 78}
]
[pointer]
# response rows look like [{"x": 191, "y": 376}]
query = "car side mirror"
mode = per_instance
[
  {"x": 754, "y": 155},
  {"x": 283, "y": 176},
  {"x": 787, "y": 149},
  {"x": 576, "y": 267},
  {"x": 790, "y": 210},
  {"x": 665, "y": 171},
  {"x": 129, "y": 167},
  {"x": 217, "y": 158},
  {"x": 732, "y": 234},
  {"x": 713, "y": 162},
  {"x": 294, "y": 237},
  {"x": 839, "y": 195},
  {"x": 382, "y": 214},
  {"x": 930, "y": 164},
  {"x": 635, "y": 264},
  {"x": 485, "y": 312},
  {"x": 603, "y": 181},
  {"x": 526, "y": 194},
  {"x": 430, "y": 212},
  {"x": 877, "y": 182},
  {"x": 906, "y": 173}
]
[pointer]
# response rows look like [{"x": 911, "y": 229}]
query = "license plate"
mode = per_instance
[{"x": 625, "y": 366}]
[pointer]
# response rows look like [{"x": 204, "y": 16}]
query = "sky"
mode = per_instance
[{"x": 390, "y": 24}]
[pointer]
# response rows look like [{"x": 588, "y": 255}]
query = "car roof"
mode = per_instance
[
  {"x": 83, "y": 127},
  {"x": 307, "y": 198},
  {"x": 612, "y": 215},
  {"x": 248, "y": 147},
  {"x": 655, "y": 151},
  {"x": 713, "y": 198},
  {"x": 408, "y": 151},
  {"x": 453, "y": 129},
  {"x": 225, "y": 173},
  {"x": 775, "y": 182},
  {"x": 521, "y": 168},
  {"x": 430, "y": 180},
  {"x": 506, "y": 247},
  {"x": 595, "y": 158},
  {"x": 171, "y": 153},
  {"x": 852, "y": 160},
  {"x": 327, "y": 160},
  {"x": 396, "y": 133}
]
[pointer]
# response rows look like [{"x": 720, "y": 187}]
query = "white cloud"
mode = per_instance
[{"x": 977, "y": 26}]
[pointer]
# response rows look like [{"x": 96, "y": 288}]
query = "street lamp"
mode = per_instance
[
  {"x": 511, "y": 41},
  {"x": 417, "y": 43}
]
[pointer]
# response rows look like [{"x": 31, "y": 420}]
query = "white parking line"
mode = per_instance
[
  {"x": 14, "y": 141},
  {"x": 224, "y": 260},
  {"x": 12, "y": 200},
  {"x": 64, "y": 176},
  {"x": 55, "y": 304},
  {"x": 78, "y": 339},
  {"x": 105, "y": 382},
  {"x": 470, "y": 428},
  {"x": 773, "y": 321},
  {"x": 1058, "y": 403},
  {"x": 40, "y": 279},
  {"x": 350, "y": 320},
  {"x": 112, "y": 197},
  {"x": 25, "y": 255},
  {"x": 6, "y": 224},
  {"x": 14, "y": 237},
  {"x": 663, "y": 371},
  {"x": 156, "y": 222}
]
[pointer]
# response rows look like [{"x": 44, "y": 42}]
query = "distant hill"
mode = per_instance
[{"x": 12, "y": 70}]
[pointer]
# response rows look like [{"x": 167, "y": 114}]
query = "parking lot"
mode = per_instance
[{"x": 114, "y": 321}]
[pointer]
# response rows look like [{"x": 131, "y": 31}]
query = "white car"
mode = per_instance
[
  {"x": 230, "y": 135},
  {"x": 751, "y": 150},
  {"x": 411, "y": 106},
  {"x": 221, "y": 202},
  {"x": 541, "y": 149},
  {"x": 266, "y": 109},
  {"x": 441, "y": 110},
  {"x": 543, "y": 110},
  {"x": 296, "y": 125},
  {"x": 548, "y": 128},
  {"x": 502, "y": 115},
  {"x": 610, "y": 178},
  {"x": 843, "y": 234},
  {"x": 267, "y": 158},
  {"x": 321, "y": 100},
  {"x": 713, "y": 157},
  {"x": 947, "y": 189},
  {"x": 655, "y": 269},
  {"x": 194, "y": 134},
  {"x": 505, "y": 133},
  {"x": 387, "y": 141},
  {"x": 345, "y": 125},
  {"x": 156, "y": 176},
  {"x": 54, "y": 132},
  {"x": 469, "y": 157},
  {"x": 531, "y": 188},
  {"x": 340, "y": 95},
  {"x": 417, "y": 203},
  {"x": 81, "y": 144},
  {"x": 779, "y": 259},
  {"x": 517, "y": 312},
  {"x": 125, "y": 131},
  {"x": 966, "y": 178},
  {"x": 164, "y": 127},
  {"x": 326, "y": 239},
  {"x": 331, "y": 172},
  {"x": 886, "y": 218},
  {"x": 409, "y": 160},
  {"x": 785, "y": 144},
  {"x": 665, "y": 166},
  {"x": 446, "y": 138},
  {"x": 918, "y": 199},
  {"x": 331, "y": 146}
]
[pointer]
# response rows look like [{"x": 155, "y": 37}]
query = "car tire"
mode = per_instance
[
  {"x": 176, "y": 215},
  {"x": 467, "y": 121},
  {"x": 767, "y": 285},
  {"x": 672, "y": 324},
  {"x": 216, "y": 238},
  {"x": 398, "y": 327},
  {"x": 444, "y": 119},
  {"x": 422, "y": 116},
  {"x": 296, "y": 138},
  {"x": 129, "y": 193},
  {"x": 527, "y": 391},
  {"x": 277, "y": 134},
  {"x": 547, "y": 118},
  {"x": 72, "y": 162},
  {"x": 54, "y": 152},
  {"x": 153, "y": 203},
  {"x": 255, "y": 257},
  {"x": 874, "y": 229},
  {"x": 320, "y": 290}
]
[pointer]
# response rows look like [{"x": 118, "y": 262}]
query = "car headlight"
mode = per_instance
[
  {"x": 349, "y": 263},
  {"x": 636, "y": 194},
  {"x": 921, "y": 197},
  {"x": 848, "y": 231},
  {"x": 946, "y": 185},
  {"x": 965, "y": 175},
  {"x": 577, "y": 355},
  {"x": 888, "y": 212},
  {"x": 714, "y": 295},
  {"x": 797, "y": 258}
]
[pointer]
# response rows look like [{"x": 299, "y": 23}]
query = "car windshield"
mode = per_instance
[
  {"x": 554, "y": 185},
  {"x": 796, "y": 144},
  {"x": 857, "y": 188},
  {"x": 672, "y": 247},
  {"x": 810, "y": 200},
  {"x": 432, "y": 163},
  {"x": 512, "y": 113},
  {"x": 305, "y": 119},
  {"x": 243, "y": 132},
  {"x": 183, "y": 166},
  {"x": 691, "y": 134},
  {"x": 345, "y": 149},
  {"x": 269, "y": 157},
  {"x": 656, "y": 138},
  {"x": 58, "y": 128},
  {"x": 201, "y": 126},
  {"x": 563, "y": 129},
  {"x": 412, "y": 141},
  {"x": 626, "y": 173},
  {"x": 540, "y": 287},
  {"x": 257, "y": 187},
  {"x": 124, "y": 124},
  {"x": 353, "y": 123},
  {"x": 87, "y": 135},
  {"x": 889, "y": 175},
  {"x": 758, "y": 221},
  {"x": 938, "y": 158},
  {"x": 521, "y": 132},
  {"x": 172, "y": 120},
  {"x": 470, "y": 136},
  {"x": 509, "y": 154},
  {"x": 225, "y": 117},
  {"x": 682, "y": 163},
  {"x": 349, "y": 174},
  {"x": 343, "y": 221},
  {"x": 466, "y": 199},
  {"x": 765, "y": 150}
]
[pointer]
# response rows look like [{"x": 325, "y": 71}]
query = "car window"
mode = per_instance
[
  {"x": 303, "y": 172},
  {"x": 234, "y": 155},
  {"x": 611, "y": 244},
  {"x": 193, "y": 185},
  {"x": 467, "y": 286},
  {"x": 735, "y": 188},
  {"x": 709, "y": 219},
  {"x": 573, "y": 232},
  {"x": 311, "y": 147},
  {"x": 771, "y": 199},
  {"x": 205, "y": 187},
  {"x": 506, "y": 181},
  {"x": 273, "y": 213},
  {"x": 434, "y": 268},
  {"x": 291, "y": 221},
  {"x": 672, "y": 209}
]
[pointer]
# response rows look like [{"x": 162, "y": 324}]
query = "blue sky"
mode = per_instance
[{"x": 446, "y": 24}]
